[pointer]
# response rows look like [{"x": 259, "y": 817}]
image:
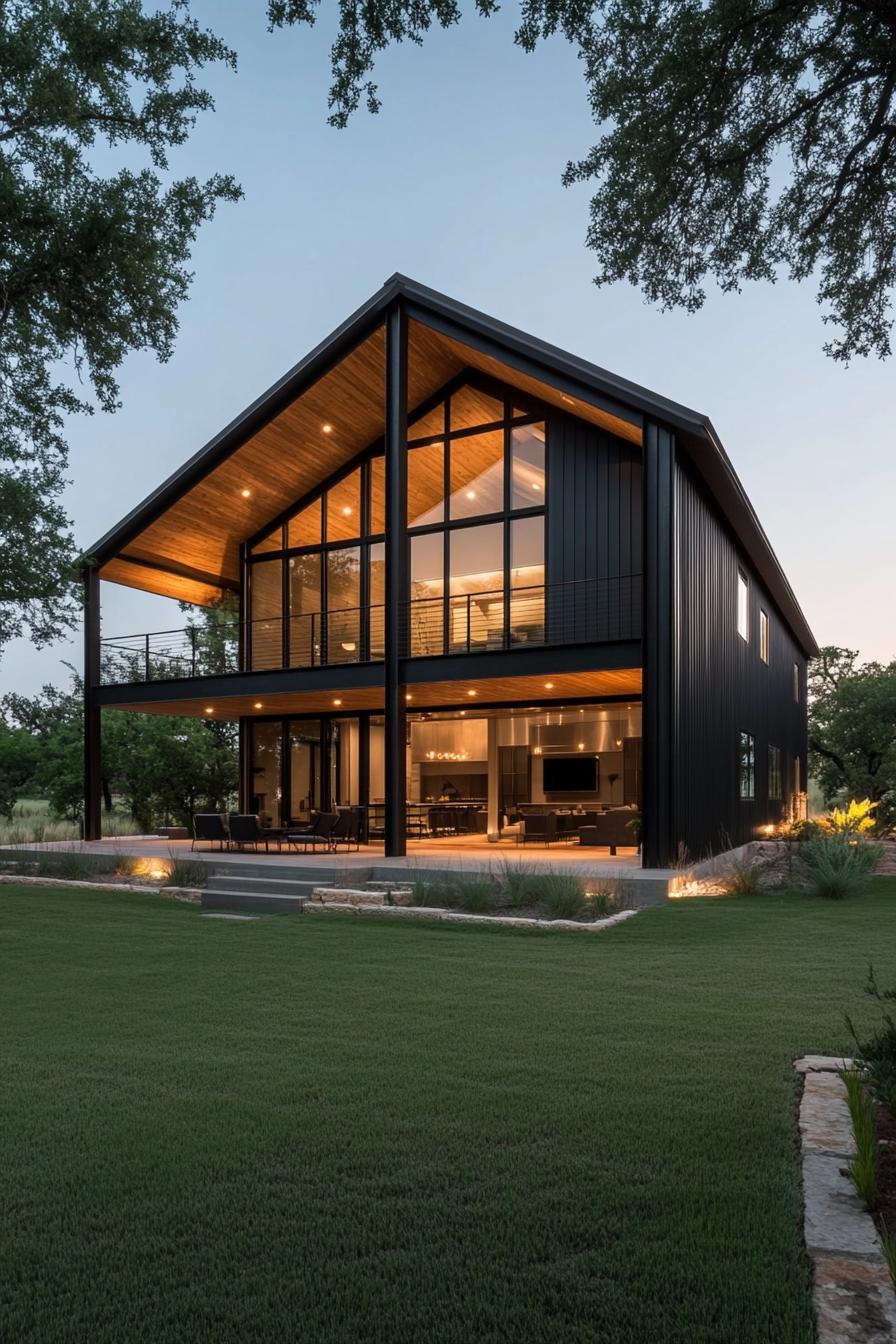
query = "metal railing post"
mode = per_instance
[{"x": 147, "y": 677}]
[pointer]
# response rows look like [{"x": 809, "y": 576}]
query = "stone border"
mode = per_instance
[
  {"x": 853, "y": 1292},
  {"x": 192, "y": 895},
  {"x": 460, "y": 917}
]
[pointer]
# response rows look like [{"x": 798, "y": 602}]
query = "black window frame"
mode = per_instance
[{"x": 746, "y": 767}]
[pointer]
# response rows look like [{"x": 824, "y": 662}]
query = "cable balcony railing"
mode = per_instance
[{"x": 581, "y": 612}]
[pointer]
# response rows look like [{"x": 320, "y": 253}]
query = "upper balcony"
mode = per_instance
[{"x": 587, "y": 611}]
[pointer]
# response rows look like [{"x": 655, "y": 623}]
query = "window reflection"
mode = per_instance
[
  {"x": 427, "y": 588},
  {"x": 344, "y": 508},
  {"x": 476, "y": 586},
  {"x": 304, "y": 529},
  {"x": 527, "y": 476},
  {"x": 527, "y": 580},
  {"x": 305, "y": 632},
  {"x": 343, "y": 605},
  {"x": 426, "y": 485},
  {"x": 267, "y": 613},
  {"x": 477, "y": 475}
]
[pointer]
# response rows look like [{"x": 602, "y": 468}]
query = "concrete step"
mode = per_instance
[
  {"x": 320, "y": 874},
  {"x": 257, "y": 902},
  {"x": 269, "y": 885}
]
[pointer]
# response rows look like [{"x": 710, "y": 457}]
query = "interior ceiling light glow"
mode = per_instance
[
  {"x": 347, "y": 510},
  {"x": 246, "y": 493},
  {"x": 327, "y": 427}
]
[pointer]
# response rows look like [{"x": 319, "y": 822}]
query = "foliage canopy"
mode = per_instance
[{"x": 739, "y": 139}]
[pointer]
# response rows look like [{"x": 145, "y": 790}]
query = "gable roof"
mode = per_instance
[{"x": 445, "y": 337}]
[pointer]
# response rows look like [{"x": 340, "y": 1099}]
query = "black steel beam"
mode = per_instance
[
  {"x": 524, "y": 662},
  {"x": 659, "y": 842},
  {"x": 93, "y": 823},
  {"x": 396, "y": 546},
  {"x": 183, "y": 572},
  {"x": 275, "y": 681}
]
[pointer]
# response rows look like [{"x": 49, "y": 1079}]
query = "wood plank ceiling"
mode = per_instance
[
  {"x": 430, "y": 695},
  {"x": 191, "y": 552}
]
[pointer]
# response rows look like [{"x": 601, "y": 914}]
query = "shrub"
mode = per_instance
[
  {"x": 863, "y": 1168},
  {"x": 519, "y": 883},
  {"x": 853, "y": 820},
  {"x": 743, "y": 874},
  {"x": 187, "y": 873},
  {"x": 474, "y": 894},
  {"x": 877, "y": 1054},
  {"x": 560, "y": 894},
  {"x": 836, "y": 867},
  {"x": 602, "y": 902}
]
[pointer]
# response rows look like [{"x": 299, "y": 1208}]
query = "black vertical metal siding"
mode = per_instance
[
  {"x": 724, "y": 687},
  {"x": 594, "y": 524}
]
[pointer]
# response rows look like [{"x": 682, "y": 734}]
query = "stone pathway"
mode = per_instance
[{"x": 853, "y": 1293}]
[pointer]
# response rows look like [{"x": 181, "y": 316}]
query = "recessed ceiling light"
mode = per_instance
[
  {"x": 327, "y": 427},
  {"x": 259, "y": 705},
  {"x": 471, "y": 692},
  {"x": 246, "y": 493},
  {"x": 549, "y": 685},
  {"x": 462, "y": 713},
  {"x": 471, "y": 494},
  {"x": 347, "y": 510},
  {"x": 569, "y": 400},
  {"x": 581, "y": 746},
  {"x": 535, "y": 485},
  {"x": 209, "y": 710},
  {"x": 409, "y": 697},
  {"x": 337, "y": 702}
]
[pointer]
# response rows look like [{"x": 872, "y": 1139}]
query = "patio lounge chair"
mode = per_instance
[
  {"x": 610, "y": 829},
  {"x": 247, "y": 830},
  {"x": 319, "y": 832},
  {"x": 538, "y": 827},
  {"x": 211, "y": 826},
  {"x": 347, "y": 830}
]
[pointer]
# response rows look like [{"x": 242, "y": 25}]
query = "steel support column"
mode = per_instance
[
  {"x": 93, "y": 825},
  {"x": 396, "y": 543},
  {"x": 658, "y": 738}
]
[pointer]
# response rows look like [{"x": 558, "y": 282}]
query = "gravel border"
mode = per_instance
[{"x": 853, "y": 1292}]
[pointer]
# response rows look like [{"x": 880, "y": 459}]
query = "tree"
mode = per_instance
[
  {"x": 17, "y": 763},
  {"x": 852, "y": 729},
  {"x": 92, "y": 266},
  {"x": 738, "y": 138},
  {"x": 53, "y": 721}
]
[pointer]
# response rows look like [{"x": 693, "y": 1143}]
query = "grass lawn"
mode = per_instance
[{"x": 344, "y": 1129}]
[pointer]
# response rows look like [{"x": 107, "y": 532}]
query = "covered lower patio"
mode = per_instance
[{"x": 487, "y": 768}]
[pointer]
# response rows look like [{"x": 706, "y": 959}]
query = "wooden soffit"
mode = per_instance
[
  {"x": 190, "y": 550},
  {"x": 431, "y": 695}
]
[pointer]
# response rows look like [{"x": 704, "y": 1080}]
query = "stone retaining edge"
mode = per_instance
[
  {"x": 852, "y": 1289},
  {"x": 460, "y": 917},
  {"x": 189, "y": 894}
]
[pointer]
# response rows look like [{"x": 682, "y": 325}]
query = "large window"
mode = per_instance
[
  {"x": 316, "y": 581},
  {"x": 476, "y": 487},
  {"x": 476, "y": 502}
]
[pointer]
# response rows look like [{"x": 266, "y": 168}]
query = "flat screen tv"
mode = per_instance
[{"x": 571, "y": 774}]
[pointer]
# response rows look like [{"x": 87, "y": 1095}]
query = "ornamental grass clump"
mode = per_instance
[
  {"x": 561, "y": 895},
  {"x": 743, "y": 875},
  {"x": 863, "y": 1168},
  {"x": 877, "y": 1054},
  {"x": 836, "y": 867},
  {"x": 476, "y": 895}
]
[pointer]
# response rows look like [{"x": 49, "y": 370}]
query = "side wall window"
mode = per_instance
[
  {"x": 763, "y": 635},
  {"x": 743, "y": 605},
  {"x": 774, "y": 775},
  {"x": 747, "y": 766}
]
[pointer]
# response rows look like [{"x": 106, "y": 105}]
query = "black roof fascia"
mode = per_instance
[{"x": 618, "y": 396}]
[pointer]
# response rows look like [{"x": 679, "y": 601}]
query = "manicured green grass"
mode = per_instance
[{"x": 343, "y": 1129}]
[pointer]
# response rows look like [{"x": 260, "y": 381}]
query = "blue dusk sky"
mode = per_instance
[{"x": 457, "y": 183}]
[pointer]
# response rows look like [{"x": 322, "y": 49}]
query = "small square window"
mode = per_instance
[
  {"x": 763, "y": 635},
  {"x": 743, "y": 605},
  {"x": 747, "y": 766}
]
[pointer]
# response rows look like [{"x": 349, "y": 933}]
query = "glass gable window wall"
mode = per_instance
[{"x": 476, "y": 486}]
